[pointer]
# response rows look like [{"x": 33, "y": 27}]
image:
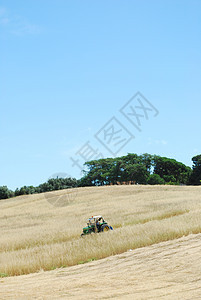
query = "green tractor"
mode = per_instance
[{"x": 95, "y": 225}]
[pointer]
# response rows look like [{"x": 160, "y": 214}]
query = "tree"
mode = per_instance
[
  {"x": 171, "y": 170},
  {"x": 5, "y": 192},
  {"x": 147, "y": 160},
  {"x": 195, "y": 177},
  {"x": 137, "y": 173}
]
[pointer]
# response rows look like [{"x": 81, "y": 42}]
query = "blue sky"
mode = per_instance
[{"x": 68, "y": 67}]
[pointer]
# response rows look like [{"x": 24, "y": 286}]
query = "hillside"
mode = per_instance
[
  {"x": 168, "y": 270},
  {"x": 37, "y": 236}
]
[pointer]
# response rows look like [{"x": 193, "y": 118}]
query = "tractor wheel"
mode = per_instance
[{"x": 105, "y": 228}]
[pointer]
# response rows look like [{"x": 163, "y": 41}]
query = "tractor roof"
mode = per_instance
[{"x": 95, "y": 218}]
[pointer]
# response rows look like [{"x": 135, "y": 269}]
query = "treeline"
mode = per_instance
[
  {"x": 52, "y": 184},
  {"x": 129, "y": 169},
  {"x": 136, "y": 169},
  {"x": 141, "y": 169}
]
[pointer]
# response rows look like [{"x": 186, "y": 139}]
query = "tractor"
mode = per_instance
[{"x": 95, "y": 225}]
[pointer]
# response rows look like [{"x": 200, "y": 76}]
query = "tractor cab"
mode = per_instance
[
  {"x": 96, "y": 224},
  {"x": 95, "y": 220}
]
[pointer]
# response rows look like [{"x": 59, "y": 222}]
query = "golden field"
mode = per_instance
[
  {"x": 35, "y": 235},
  {"x": 153, "y": 252}
]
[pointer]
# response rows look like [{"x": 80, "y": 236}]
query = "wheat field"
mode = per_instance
[{"x": 39, "y": 236}]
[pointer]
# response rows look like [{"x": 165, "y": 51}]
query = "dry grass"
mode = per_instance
[
  {"x": 38, "y": 236},
  {"x": 168, "y": 270}
]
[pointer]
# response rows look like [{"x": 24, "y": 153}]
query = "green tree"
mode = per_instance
[
  {"x": 147, "y": 160},
  {"x": 5, "y": 192},
  {"x": 137, "y": 173},
  {"x": 171, "y": 170},
  {"x": 195, "y": 177}
]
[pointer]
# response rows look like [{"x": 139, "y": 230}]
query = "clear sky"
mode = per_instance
[{"x": 68, "y": 67}]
